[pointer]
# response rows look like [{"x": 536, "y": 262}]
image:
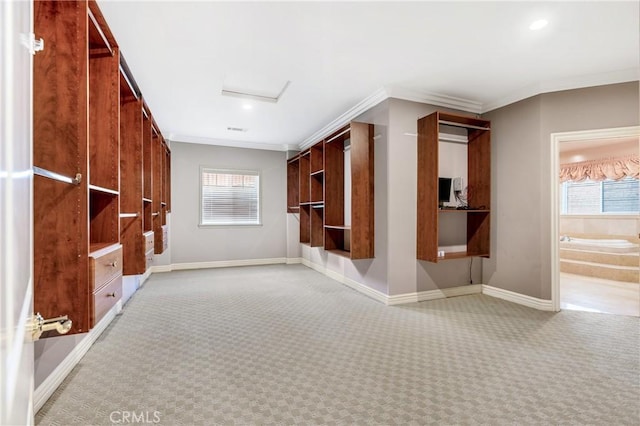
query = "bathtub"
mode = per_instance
[{"x": 597, "y": 244}]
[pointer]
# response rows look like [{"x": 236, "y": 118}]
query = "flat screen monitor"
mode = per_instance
[{"x": 444, "y": 190}]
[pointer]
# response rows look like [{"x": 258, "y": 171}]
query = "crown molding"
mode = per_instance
[
  {"x": 434, "y": 99},
  {"x": 228, "y": 142},
  {"x": 578, "y": 82},
  {"x": 369, "y": 102}
]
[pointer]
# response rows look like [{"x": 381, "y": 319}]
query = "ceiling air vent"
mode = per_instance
[{"x": 236, "y": 129}]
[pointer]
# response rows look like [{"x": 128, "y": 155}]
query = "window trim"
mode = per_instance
[{"x": 211, "y": 169}]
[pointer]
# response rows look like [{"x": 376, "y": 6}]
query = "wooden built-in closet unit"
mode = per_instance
[
  {"x": 477, "y": 213},
  {"x": 94, "y": 169},
  {"x": 321, "y": 192}
]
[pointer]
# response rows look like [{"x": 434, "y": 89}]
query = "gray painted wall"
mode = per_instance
[
  {"x": 521, "y": 162},
  {"x": 191, "y": 243}
]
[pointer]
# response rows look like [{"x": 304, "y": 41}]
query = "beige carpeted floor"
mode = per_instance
[{"x": 286, "y": 345}]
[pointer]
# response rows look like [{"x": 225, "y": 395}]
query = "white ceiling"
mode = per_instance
[{"x": 474, "y": 55}]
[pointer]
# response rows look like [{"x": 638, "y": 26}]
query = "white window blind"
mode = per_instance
[
  {"x": 609, "y": 196},
  {"x": 229, "y": 197}
]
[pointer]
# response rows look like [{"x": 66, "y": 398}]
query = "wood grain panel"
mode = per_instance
[
  {"x": 60, "y": 88},
  {"x": 105, "y": 265},
  {"x": 479, "y": 169},
  {"x": 106, "y": 298},
  {"x": 60, "y": 252},
  {"x": 147, "y": 159},
  {"x": 304, "y": 183},
  {"x": 293, "y": 185},
  {"x": 104, "y": 101},
  {"x": 362, "y": 193},
  {"x": 157, "y": 191},
  {"x": 427, "y": 214},
  {"x": 317, "y": 226},
  {"x": 60, "y": 234},
  {"x": 305, "y": 224},
  {"x": 131, "y": 228},
  {"x": 334, "y": 182}
]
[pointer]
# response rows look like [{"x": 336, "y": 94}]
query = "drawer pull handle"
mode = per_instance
[
  {"x": 111, "y": 294},
  {"x": 114, "y": 264}
]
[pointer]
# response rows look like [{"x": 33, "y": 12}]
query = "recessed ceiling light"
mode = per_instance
[
  {"x": 538, "y": 25},
  {"x": 247, "y": 106}
]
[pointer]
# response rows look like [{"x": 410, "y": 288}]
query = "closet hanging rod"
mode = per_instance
[
  {"x": 55, "y": 176},
  {"x": 466, "y": 126},
  {"x": 155, "y": 214},
  {"x": 339, "y": 134},
  {"x": 128, "y": 215}
]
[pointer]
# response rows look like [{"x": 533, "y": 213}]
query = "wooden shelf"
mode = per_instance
[
  {"x": 321, "y": 186},
  {"x": 461, "y": 255},
  {"x": 478, "y": 221},
  {"x": 454, "y": 210}
]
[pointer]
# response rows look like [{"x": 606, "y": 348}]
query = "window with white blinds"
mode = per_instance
[
  {"x": 602, "y": 197},
  {"x": 229, "y": 197}
]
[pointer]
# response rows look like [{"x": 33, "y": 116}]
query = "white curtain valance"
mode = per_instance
[{"x": 598, "y": 170}]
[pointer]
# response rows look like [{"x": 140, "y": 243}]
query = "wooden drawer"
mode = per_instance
[
  {"x": 105, "y": 264},
  {"x": 148, "y": 241},
  {"x": 149, "y": 259},
  {"x": 105, "y": 298}
]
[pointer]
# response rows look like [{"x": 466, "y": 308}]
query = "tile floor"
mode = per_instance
[{"x": 582, "y": 293}]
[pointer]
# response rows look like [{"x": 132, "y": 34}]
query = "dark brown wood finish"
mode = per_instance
[
  {"x": 305, "y": 167},
  {"x": 131, "y": 228},
  {"x": 334, "y": 179},
  {"x": 362, "y": 198},
  {"x": 60, "y": 84},
  {"x": 317, "y": 224},
  {"x": 157, "y": 191},
  {"x": 479, "y": 186},
  {"x": 293, "y": 185},
  {"x": 77, "y": 107},
  {"x": 305, "y": 224},
  {"x": 104, "y": 83},
  {"x": 427, "y": 215}
]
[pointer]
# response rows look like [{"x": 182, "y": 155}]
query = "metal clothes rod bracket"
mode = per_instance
[{"x": 55, "y": 176}]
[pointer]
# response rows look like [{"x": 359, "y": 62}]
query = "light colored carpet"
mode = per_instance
[{"x": 286, "y": 345}]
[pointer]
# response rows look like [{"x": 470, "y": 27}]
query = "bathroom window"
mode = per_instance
[
  {"x": 601, "y": 197},
  {"x": 229, "y": 197}
]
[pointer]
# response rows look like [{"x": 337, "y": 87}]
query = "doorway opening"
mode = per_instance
[{"x": 596, "y": 221}]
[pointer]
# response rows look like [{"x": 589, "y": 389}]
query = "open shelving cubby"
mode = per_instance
[
  {"x": 349, "y": 178},
  {"x": 476, "y": 214},
  {"x": 293, "y": 185}
]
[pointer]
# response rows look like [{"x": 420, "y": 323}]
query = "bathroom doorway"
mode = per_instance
[{"x": 596, "y": 221}]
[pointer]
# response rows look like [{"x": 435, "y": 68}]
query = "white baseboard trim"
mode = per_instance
[
  {"x": 421, "y": 296},
  {"x": 227, "y": 263},
  {"x": 293, "y": 260},
  {"x": 160, "y": 268},
  {"x": 520, "y": 299},
  {"x": 43, "y": 392}
]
